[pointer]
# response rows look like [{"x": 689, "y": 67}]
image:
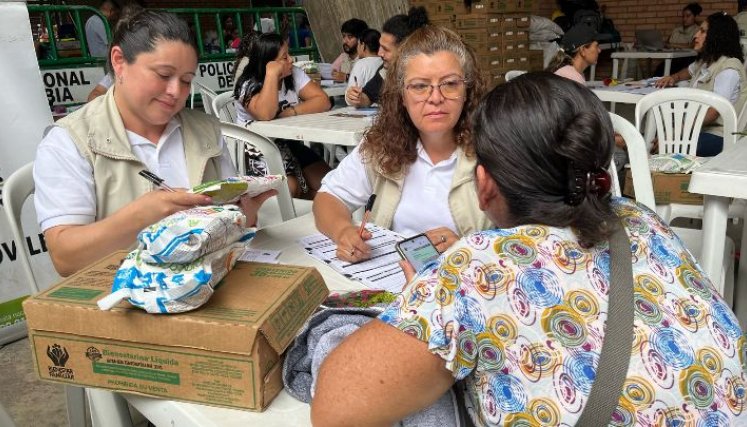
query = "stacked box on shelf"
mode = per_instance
[{"x": 497, "y": 30}]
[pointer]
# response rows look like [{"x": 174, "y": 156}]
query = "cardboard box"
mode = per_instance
[
  {"x": 668, "y": 188},
  {"x": 226, "y": 353}
]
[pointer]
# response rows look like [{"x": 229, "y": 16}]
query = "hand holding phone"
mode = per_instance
[{"x": 418, "y": 251}]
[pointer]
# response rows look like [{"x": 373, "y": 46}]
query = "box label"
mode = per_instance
[{"x": 183, "y": 374}]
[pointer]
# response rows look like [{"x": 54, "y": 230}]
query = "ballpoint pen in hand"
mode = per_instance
[
  {"x": 155, "y": 179},
  {"x": 366, "y": 213}
]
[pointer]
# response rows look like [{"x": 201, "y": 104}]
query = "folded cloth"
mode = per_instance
[{"x": 322, "y": 334}]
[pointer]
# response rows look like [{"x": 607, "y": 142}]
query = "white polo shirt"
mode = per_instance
[
  {"x": 65, "y": 192},
  {"x": 425, "y": 192}
]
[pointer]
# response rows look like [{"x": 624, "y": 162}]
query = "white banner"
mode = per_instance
[
  {"x": 24, "y": 113},
  {"x": 67, "y": 86}
]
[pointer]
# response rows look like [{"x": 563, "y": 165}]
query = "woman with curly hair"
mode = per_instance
[
  {"x": 719, "y": 69},
  {"x": 418, "y": 156}
]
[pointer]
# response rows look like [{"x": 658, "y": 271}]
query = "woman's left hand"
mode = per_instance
[
  {"x": 442, "y": 238},
  {"x": 250, "y": 205}
]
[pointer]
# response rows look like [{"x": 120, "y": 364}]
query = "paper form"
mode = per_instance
[{"x": 381, "y": 271}]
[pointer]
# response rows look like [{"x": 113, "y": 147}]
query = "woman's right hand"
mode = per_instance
[
  {"x": 666, "y": 81},
  {"x": 155, "y": 205},
  {"x": 277, "y": 69},
  {"x": 351, "y": 246}
]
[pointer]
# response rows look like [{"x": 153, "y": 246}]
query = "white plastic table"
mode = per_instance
[
  {"x": 667, "y": 56},
  {"x": 284, "y": 410},
  {"x": 327, "y": 127},
  {"x": 723, "y": 177}
]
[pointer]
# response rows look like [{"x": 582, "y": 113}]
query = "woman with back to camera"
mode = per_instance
[
  {"x": 271, "y": 87},
  {"x": 89, "y": 198},
  {"x": 519, "y": 312},
  {"x": 719, "y": 69},
  {"x": 417, "y": 157}
]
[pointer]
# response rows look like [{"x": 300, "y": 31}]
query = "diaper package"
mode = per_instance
[
  {"x": 675, "y": 163},
  {"x": 190, "y": 234},
  {"x": 170, "y": 288},
  {"x": 180, "y": 259},
  {"x": 230, "y": 190}
]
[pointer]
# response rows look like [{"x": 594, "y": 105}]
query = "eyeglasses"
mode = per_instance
[{"x": 449, "y": 89}]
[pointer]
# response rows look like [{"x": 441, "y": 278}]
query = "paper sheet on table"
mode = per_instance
[
  {"x": 260, "y": 255},
  {"x": 381, "y": 271}
]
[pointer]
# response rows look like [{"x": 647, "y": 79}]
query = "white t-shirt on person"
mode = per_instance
[
  {"x": 363, "y": 71},
  {"x": 300, "y": 79},
  {"x": 424, "y": 204},
  {"x": 65, "y": 190}
]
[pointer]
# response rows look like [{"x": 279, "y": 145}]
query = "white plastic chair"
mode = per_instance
[
  {"x": 512, "y": 74},
  {"x": 224, "y": 107},
  {"x": 237, "y": 137},
  {"x": 207, "y": 96},
  {"x": 16, "y": 190},
  {"x": 678, "y": 114},
  {"x": 644, "y": 194}
]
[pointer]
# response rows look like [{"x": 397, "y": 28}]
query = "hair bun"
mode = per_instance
[{"x": 417, "y": 17}]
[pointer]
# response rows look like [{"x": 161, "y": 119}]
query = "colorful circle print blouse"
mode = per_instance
[{"x": 520, "y": 313}]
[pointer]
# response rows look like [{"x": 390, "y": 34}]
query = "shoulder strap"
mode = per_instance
[{"x": 618, "y": 336}]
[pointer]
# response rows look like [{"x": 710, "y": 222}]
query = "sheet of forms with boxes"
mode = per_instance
[{"x": 498, "y": 31}]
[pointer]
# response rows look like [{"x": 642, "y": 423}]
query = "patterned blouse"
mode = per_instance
[{"x": 520, "y": 314}]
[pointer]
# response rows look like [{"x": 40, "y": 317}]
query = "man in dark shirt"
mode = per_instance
[{"x": 395, "y": 29}]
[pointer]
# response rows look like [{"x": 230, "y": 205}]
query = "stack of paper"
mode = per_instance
[{"x": 381, "y": 271}]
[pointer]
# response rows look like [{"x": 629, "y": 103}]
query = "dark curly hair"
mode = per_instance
[
  {"x": 722, "y": 39},
  {"x": 531, "y": 134},
  {"x": 694, "y": 8},
  {"x": 391, "y": 142}
]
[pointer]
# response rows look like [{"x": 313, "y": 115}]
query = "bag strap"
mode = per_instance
[{"x": 618, "y": 336}]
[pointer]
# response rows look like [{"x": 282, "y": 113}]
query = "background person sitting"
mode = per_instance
[
  {"x": 720, "y": 69},
  {"x": 271, "y": 87},
  {"x": 417, "y": 157},
  {"x": 682, "y": 37},
  {"x": 98, "y": 42},
  {"x": 351, "y": 31},
  {"x": 89, "y": 198},
  {"x": 579, "y": 49},
  {"x": 368, "y": 62},
  {"x": 741, "y": 18},
  {"x": 394, "y": 31},
  {"x": 519, "y": 312}
]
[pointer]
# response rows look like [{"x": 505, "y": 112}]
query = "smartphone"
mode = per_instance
[{"x": 418, "y": 251}]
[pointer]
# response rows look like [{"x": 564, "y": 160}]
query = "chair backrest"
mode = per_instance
[
  {"x": 638, "y": 159},
  {"x": 224, "y": 107},
  {"x": 679, "y": 113},
  {"x": 207, "y": 95},
  {"x": 16, "y": 189},
  {"x": 238, "y": 137},
  {"x": 512, "y": 74}
]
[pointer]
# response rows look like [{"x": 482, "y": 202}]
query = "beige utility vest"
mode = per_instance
[
  {"x": 99, "y": 134},
  {"x": 463, "y": 203},
  {"x": 707, "y": 83}
]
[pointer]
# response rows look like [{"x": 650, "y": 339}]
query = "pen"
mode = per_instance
[
  {"x": 155, "y": 179},
  {"x": 355, "y": 79},
  {"x": 366, "y": 213}
]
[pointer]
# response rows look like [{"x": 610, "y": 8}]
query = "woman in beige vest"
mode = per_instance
[
  {"x": 417, "y": 157},
  {"x": 719, "y": 69},
  {"x": 89, "y": 199}
]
